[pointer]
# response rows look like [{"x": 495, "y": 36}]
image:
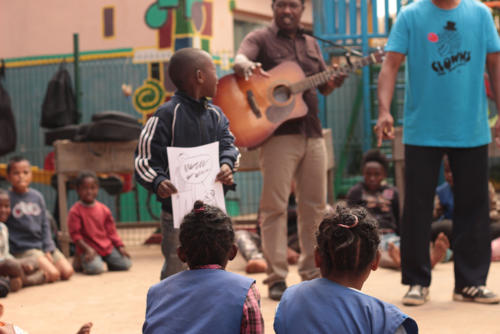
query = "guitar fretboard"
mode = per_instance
[{"x": 323, "y": 77}]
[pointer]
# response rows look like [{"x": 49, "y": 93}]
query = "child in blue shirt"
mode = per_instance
[
  {"x": 205, "y": 298},
  {"x": 346, "y": 253},
  {"x": 29, "y": 230}
]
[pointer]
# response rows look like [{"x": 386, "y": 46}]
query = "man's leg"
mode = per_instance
[
  {"x": 311, "y": 202},
  {"x": 471, "y": 223},
  {"x": 278, "y": 160},
  {"x": 169, "y": 245},
  {"x": 422, "y": 165}
]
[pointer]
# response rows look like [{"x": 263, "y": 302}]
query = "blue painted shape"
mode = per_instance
[
  {"x": 185, "y": 42},
  {"x": 374, "y": 17},
  {"x": 341, "y": 17},
  {"x": 353, "y": 17}
]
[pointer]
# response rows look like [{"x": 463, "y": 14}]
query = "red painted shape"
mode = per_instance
[{"x": 165, "y": 33}]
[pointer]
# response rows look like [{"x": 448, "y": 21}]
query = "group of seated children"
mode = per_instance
[
  {"x": 347, "y": 251},
  {"x": 382, "y": 203},
  {"x": 28, "y": 255}
]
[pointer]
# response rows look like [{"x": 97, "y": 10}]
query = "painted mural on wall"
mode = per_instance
[{"x": 180, "y": 24}]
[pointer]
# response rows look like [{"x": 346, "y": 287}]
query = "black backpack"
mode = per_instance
[
  {"x": 59, "y": 104},
  {"x": 8, "y": 135}
]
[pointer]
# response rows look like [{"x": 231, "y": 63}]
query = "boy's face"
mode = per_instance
[
  {"x": 87, "y": 191},
  {"x": 20, "y": 176},
  {"x": 374, "y": 174},
  {"x": 4, "y": 207},
  {"x": 209, "y": 87}
]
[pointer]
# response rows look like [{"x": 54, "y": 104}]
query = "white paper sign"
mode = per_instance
[{"x": 193, "y": 171}]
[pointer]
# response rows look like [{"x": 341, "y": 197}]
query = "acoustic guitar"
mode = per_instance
[{"x": 255, "y": 108}]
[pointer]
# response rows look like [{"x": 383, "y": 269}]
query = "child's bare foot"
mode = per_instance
[
  {"x": 394, "y": 254},
  {"x": 292, "y": 256},
  {"x": 85, "y": 329},
  {"x": 256, "y": 266},
  {"x": 438, "y": 251}
]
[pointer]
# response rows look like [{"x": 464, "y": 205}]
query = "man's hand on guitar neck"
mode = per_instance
[
  {"x": 335, "y": 82},
  {"x": 244, "y": 67}
]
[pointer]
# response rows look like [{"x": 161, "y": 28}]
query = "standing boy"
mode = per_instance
[
  {"x": 447, "y": 44},
  {"x": 187, "y": 120}
]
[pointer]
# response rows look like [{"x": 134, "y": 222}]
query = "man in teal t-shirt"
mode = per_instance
[{"x": 446, "y": 44}]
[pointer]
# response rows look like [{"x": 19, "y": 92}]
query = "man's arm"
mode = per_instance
[
  {"x": 386, "y": 83},
  {"x": 493, "y": 67}
]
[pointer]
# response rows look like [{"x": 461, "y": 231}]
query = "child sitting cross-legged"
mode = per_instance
[
  {"x": 346, "y": 253},
  {"x": 93, "y": 230},
  {"x": 382, "y": 203},
  {"x": 205, "y": 298}
]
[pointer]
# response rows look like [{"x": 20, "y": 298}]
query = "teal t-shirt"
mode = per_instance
[{"x": 445, "y": 99}]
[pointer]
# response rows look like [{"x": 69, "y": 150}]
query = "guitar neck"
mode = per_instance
[{"x": 323, "y": 77}]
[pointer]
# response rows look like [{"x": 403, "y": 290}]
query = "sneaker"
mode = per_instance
[
  {"x": 276, "y": 290},
  {"x": 416, "y": 295},
  {"x": 476, "y": 294}
]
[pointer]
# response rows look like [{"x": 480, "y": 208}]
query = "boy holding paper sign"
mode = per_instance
[{"x": 188, "y": 119}]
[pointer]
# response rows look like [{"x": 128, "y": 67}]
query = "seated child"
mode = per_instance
[
  {"x": 93, "y": 230},
  {"x": 382, "y": 202},
  {"x": 249, "y": 243},
  {"x": 444, "y": 206},
  {"x": 14, "y": 273},
  {"x": 346, "y": 253},
  {"x": 205, "y": 298},
  {"x": 29, "y": 230}
]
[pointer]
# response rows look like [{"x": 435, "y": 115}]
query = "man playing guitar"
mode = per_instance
[{"x": 296, "y": 150}]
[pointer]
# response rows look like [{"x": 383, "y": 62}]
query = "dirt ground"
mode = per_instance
[{"x": 115, "y": 302}]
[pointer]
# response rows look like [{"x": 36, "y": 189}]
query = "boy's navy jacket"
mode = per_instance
[{"x": 181, "y": 122}]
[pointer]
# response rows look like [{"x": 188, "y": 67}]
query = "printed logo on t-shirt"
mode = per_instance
[
  {"x": 448, "y": 43},
  {"x": 28, "y": 209}
]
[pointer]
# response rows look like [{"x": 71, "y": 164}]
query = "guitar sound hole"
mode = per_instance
[{"x": 281, "y": 93}]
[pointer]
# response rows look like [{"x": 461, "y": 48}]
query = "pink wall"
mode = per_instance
[{"x": 30, "y": 28}]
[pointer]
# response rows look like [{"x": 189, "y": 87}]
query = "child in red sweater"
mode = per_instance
[{"x": 93, "y": 230}]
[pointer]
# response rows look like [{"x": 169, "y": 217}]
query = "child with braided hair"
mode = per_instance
[
  {"x": 205, "y": 298},
  {"x": 347, "y": 251}
]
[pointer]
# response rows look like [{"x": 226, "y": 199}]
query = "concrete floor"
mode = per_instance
[{"x": 115, "y": 302}]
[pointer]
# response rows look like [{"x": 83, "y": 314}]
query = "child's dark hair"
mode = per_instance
[
  {"x": 376, "y": 156},
  {"x": 83, "y": 175},
  {"x": 14, "y": 160},
  {"x": 183, "y": 65},
  {"x": 347, "y": 240},
  {"x": 206, "y": 235}
]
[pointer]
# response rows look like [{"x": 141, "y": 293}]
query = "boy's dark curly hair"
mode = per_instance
[
  {"x": 376, "y": 156},
  {"x": 347, "y": 240},
  {"x": 206, "y": 235},
  {"x": 83, "y": 175},
  {"x": 15, "y": 160}
]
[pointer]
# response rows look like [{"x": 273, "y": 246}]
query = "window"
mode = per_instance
[
  {"x": 241, "y": 29},
  {"x": 108, "y": 18}
]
